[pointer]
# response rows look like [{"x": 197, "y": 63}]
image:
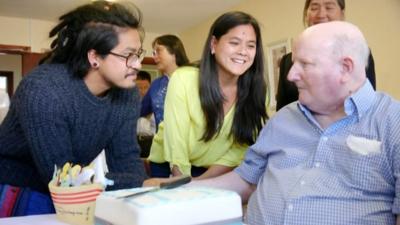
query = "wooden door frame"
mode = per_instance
[{"x": 14, "y": 49}]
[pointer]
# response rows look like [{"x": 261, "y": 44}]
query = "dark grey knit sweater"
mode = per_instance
[{"x": 53, "y": 119}]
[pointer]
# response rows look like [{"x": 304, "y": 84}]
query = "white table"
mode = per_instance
[{"x": 46, "y": 219}]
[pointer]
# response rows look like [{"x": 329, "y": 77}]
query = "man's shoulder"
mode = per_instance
[
  {"x": 48, "y": 69},
  {"x": 289, "y": 108},
  {"x": 386, "y": 104},
  {"x": 48, "y": 74},
  {"x": 287, "y": 114},
  {"x": 46, "y": 78}
]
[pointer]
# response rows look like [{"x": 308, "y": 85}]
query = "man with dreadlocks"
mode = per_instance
[{"x": 74, "y": 105}]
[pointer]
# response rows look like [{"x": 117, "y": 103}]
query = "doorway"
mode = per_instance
[{"x": 19, "y": 60}]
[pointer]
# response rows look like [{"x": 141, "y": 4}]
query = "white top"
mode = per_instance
[
  {"x": 4, "y": 104},
  {"x": 146, "y": 126}
]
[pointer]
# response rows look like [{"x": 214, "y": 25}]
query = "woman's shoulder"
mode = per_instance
[
  {"x": 186, "y": 73},
  {"x": 186, "y": 77}
]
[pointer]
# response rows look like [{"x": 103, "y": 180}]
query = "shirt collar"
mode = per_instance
[{"x": 359, "y": 102}]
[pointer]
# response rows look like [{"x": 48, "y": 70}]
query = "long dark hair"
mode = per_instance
[
  {"x": 92, "y": 26},
  {"x": 250, "y": 111},
  {"x": 174, "y": 46}
]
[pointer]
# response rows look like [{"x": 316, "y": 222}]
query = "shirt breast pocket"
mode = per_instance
[{"x": 364, "y": 165}]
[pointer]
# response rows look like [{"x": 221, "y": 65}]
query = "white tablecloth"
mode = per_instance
[{"x": 47, "y": 219}]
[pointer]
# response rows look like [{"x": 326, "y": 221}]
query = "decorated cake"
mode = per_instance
[{"x": 178, "y": 206}]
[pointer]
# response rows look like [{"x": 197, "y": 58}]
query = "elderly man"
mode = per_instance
[{"x": 333, "y": 156}]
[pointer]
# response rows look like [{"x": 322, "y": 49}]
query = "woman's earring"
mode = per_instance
[{"x": 95, "y": 65}]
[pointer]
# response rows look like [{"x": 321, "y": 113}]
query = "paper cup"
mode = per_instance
[{"x": 75, "y": 205}]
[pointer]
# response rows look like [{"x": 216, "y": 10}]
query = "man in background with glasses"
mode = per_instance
[{"x": 81, "y": 101}]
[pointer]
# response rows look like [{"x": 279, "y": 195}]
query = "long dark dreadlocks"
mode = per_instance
[{"x": 93, "y": 26}]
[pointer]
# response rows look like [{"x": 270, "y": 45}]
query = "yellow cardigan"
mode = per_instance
[{"x": 178, "y": 138}]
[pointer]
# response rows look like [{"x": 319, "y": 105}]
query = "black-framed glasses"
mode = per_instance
[{"x": 132, "y": 57}]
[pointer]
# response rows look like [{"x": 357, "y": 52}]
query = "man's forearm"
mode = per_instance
[{"x": 230, "y": 181}]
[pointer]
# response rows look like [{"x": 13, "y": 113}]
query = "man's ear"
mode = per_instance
[
  {"x": 93, "y": 58},
  {"x": 347, "y": 64}
]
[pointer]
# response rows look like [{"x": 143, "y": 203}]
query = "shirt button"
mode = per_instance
[
  {"x": 324, "y": 138},
  {"x": 290, "y": 207},
  {"x": 302, "y": 182},
  {"x": 317, "y": 164}
]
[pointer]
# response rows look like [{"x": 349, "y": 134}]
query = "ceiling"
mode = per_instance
[{"x": 159, "y": 16}]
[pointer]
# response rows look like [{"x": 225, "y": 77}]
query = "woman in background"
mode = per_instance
[
  {"x": 314, "y": 12},
  {"x": 212, "y": 114},
  {"x": 168, "y": 54}
]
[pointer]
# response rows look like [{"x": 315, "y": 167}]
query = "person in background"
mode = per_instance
[
  {"x": 143, "y": 82},
  {"x": 214, "y": 113},
  {"x": 168, "y": 54},
  {"x": 146, "y": 126},
  {"x": 314, "y": 12},
  {"x": 80, "y": 101},
  {"x": 333, "y": 156}
]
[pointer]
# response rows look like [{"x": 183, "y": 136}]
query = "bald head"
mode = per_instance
[{"x": 343, "y": 39}]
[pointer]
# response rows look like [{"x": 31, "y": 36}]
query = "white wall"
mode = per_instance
[
  {"x": 34, "y": 33},
  {"x": 25, "y": 32}
]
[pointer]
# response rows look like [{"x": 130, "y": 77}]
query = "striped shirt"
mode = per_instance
[{"x": 344, "y": 174}]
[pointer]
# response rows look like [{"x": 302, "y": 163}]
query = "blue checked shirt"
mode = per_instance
[{"x": 345, "y": 174}]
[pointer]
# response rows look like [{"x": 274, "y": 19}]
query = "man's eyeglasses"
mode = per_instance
[{"x": 132, "y": 57}]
